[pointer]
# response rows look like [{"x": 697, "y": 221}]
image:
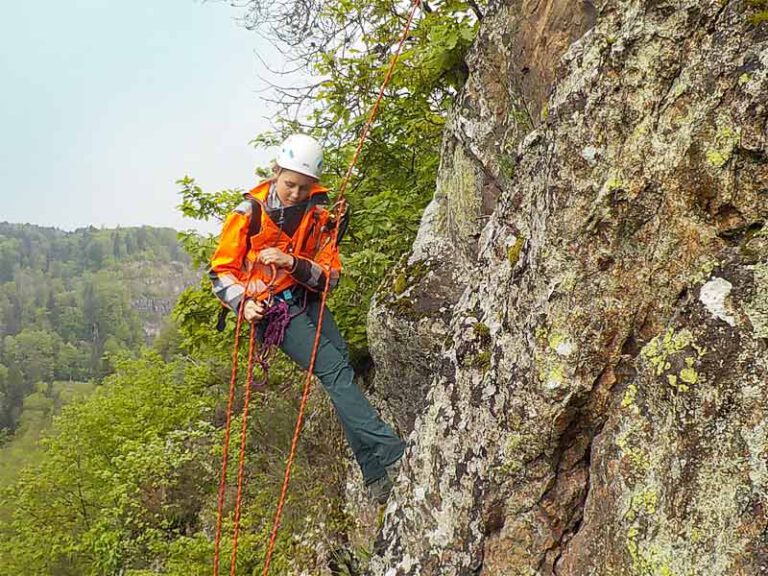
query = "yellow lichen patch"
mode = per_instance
[
  {"x": 567, "y": 282},
  {"x": 556, "y": 375},
  {"x": 696, "y": 536},
  {"x": 672, "y": 379},
  {"x": 642, "y": 503},
  {"x": 614, "y": 183},
  {"x": 725, "y": 141},
  {"x": 512, "y": 460},
  {"x": 553, "y": 349},
  {"x": 647, "y": 558},
  {"x": 689, "y": 376},
  {"x": 555, "y": 339},
  {"x": 635, "y": 456},
  {"x": 645, "y": 501},
  {"x": 704, "y": 271},
  {"x": 519, "y": 448},
  {"x": 629, "y": 396},
  {"x": 551, "y": 373},
  {"x": 551, "y": 370},
  {"x": 560, "y": 344},
  {"x": 513, "y": 254},
  {"x": 648, "y": 561},
  {"x": 660, "y": 352},
  {"x": 716, "y": 158}
]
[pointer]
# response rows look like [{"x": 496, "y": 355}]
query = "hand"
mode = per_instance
[
  {"x": 277, "y": 257},
  {"x": 254, "y": 311}
]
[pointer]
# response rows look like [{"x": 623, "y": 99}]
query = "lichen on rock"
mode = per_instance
[
  {"x": 757, "y": 307},
  {"x": 588, "y": 392}
]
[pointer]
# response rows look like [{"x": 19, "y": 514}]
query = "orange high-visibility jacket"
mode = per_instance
[{"x": 235, "y": 258}]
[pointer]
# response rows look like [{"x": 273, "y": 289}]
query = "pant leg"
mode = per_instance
[
  {"x": 372, "y": 441},
  {"x": 392, "y": 448}
]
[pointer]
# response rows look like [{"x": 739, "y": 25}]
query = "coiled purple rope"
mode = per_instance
[{"x": 276, "y": 320}]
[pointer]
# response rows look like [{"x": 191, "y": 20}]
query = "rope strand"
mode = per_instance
[
  {"x": 243, "y": 435},
  {"x": 227, "y": 430}
]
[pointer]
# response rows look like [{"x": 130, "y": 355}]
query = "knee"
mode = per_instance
[{"x": 336, "y": 377}]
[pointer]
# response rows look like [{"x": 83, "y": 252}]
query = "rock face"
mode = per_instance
[
  {"x": 582, "y": 326},
  {"x": 156, "y": 287}
]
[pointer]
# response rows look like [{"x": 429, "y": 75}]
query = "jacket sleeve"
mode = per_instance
[
  {"x": 311, "y": 272},
  {"x": 226, "y": 271}
]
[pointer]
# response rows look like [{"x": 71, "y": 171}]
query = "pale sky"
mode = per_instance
[{"x": 104, "y": 104}]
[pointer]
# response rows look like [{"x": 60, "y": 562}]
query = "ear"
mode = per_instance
[{"x": 276, "y": 169}]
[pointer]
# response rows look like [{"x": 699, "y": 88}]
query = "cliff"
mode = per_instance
[{"x": 577, "y": 346}]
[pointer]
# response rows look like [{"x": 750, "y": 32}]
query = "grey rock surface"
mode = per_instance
[{"x": 582, "y": 394}]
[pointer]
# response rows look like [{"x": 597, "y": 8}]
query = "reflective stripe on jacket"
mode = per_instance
[{"x": 234, "y": 261}]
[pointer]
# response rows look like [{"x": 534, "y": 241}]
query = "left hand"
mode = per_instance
[{"x": 275, "y": 256}]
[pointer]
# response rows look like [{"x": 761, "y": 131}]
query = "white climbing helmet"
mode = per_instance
[{"x": 302, "y": 154}]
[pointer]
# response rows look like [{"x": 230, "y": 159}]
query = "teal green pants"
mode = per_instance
[{"x": 373, "y": 442}]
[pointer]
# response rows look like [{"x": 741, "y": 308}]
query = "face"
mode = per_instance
[{"x": 292, "y": 187}]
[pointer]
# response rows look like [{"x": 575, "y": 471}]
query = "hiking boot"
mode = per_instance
[{"x": 380, "y": 489}]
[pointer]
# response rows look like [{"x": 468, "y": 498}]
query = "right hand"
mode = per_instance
[{"x": 254, "y": 311}]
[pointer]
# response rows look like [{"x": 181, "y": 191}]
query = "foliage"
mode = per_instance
[
  {"x": 68, "y": 301},
  {"x": 757, "y": 11},
  {"x": 117, "y": 471},
  {"x": 127, "y": 478}
]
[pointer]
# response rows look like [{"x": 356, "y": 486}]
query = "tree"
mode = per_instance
[
  {"x": 32, "y": 352},
  {"x": 4, "y": 399},
  {"x": 9, "y": 258}
]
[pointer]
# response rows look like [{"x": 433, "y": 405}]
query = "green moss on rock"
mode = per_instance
[
  {"x": 482, "y": 360},
  {"x": 507, "y": 165},
  {"x": 400, "y": 284},
  {"x": 401, "y": 279},
  {"x": 758, "y": 17},
  {"x": 482, "y": 331}
]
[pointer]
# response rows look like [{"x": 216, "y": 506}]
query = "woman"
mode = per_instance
[{"x": 278, "y": 241}]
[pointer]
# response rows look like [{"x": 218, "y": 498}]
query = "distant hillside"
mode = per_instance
[{"x": 69, "y": 300}]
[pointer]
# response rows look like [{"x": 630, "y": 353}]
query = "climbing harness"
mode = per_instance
[{"x": 276, "y": 321}]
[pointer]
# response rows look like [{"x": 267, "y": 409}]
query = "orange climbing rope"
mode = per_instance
[
  {"x": 308, "y": 379},
  {"x": 241, "y": 463},
  {"x": 227, "y": 428}
]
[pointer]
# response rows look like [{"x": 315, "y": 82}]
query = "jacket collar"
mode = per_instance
[{"x": 260, "y": 191}]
